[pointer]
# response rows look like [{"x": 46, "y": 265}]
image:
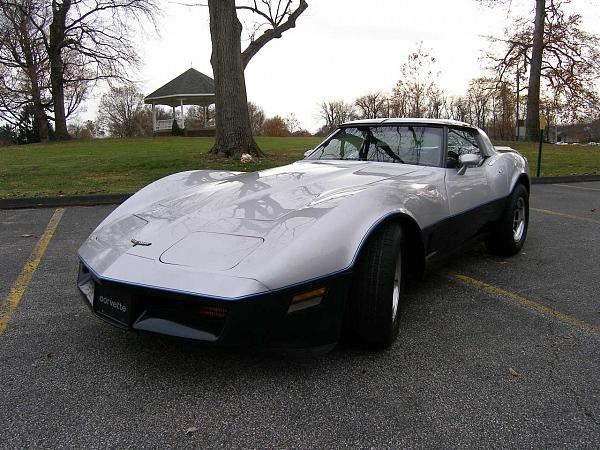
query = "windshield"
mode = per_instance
[{"x": 390, "y": 143}]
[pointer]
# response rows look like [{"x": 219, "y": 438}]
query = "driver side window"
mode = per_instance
[{"x": 461, "y": 142}]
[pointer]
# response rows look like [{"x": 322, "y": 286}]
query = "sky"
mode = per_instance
[{"x": 340, "y": 49}]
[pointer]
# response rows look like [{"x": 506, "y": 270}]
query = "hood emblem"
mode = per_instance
[{"x": 142, "y": 243}]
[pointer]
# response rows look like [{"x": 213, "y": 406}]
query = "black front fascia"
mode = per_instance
[{"x": 257, "y": 320}]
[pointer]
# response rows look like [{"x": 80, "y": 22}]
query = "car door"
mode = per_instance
[{"x": 469, "y": 192}]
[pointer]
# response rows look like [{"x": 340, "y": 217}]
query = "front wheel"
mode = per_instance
[
  {"x": 373, "y": 311},
  {"x": 509, "y": 234}
]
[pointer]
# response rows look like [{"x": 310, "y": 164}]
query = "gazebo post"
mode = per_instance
[
  {"x": 182, "y": 117},
  {"x": 205, "y": 115},
  {"x": 153, "y": 119}
]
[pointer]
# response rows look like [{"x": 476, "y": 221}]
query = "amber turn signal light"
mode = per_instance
[{"x": 307, "y": 299}]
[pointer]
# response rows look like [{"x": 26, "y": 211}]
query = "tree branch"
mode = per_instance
[{"x": 273, "y": 33}]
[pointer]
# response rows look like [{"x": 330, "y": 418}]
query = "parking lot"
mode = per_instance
[{"x": 492, "y": 352}]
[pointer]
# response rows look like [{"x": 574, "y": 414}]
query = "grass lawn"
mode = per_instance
[
  {"x": 125, "y": 165},
  {"x": 122, "y": 165},
  {"x": 560, "y": 159}
]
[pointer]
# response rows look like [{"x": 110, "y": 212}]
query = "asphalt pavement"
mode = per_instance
[{"x": 493, "y": 352}]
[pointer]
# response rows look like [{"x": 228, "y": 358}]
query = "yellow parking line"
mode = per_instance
[
  {"x": 9, "y": 305},
  {"x": 568, "y": 216},
  {"x": 533, "y": 305}
]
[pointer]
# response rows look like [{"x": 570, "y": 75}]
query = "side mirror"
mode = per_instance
[
  {"x": 308, "y": 152},
  {"x": 468, "y": 160}
]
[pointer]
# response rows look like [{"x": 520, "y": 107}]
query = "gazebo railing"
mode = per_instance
[{"x": 167, "y": 124}]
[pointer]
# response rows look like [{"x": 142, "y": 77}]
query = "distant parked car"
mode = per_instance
[{"x": 302, "y": 254}]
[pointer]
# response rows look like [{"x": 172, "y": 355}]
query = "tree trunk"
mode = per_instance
[
  {"x": 57, "y": 68},
  {"x": 233, "y": 131},
  {"x": 36, "y": 95},
  {"x": 535, "y": 71}
]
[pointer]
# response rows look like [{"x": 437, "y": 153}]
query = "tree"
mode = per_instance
[
  {"x": 257, "y": 117},
  {"x": 416, "y": 94},
  {"x": 562, "y": 60},
  {"x": 98, "y": 35},
  {"x": 372, "y": 105},
  {"x": 84, "y": 41},
  {"x": 275, "y": 126},
  {"x": 195, "y": 116},
  {"x": 292, "y": 123},
  {"x": 122, "y": 111},
  {"x": 233, "y": 129},
  {"x": 23, "y": 65},
  {"x": 334, "y": 113},
  {"x": 86, "y": 130}
]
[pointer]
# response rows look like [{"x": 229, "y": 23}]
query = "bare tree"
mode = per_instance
[
  {"x": 292, "y": 123},
  {"x": 335, "y": 112},
  {"x": 563, "y": 61},
  {"x": 98, "y": 33},
  {"x": 418, "y": 85},
  {"x": 23, "y": 64},
  {"x": 234, "y": 132},
  {"x": 85, "y": 41},
  {"x": 123, "y": 112},
  {"x": 196, "y": 116},
  {"x": 257, "y": 117},
  {"x": 372, "y": 105}
]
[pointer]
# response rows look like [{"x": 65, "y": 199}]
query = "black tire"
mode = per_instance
[
  {"x": 508, "y": 236},
  {"x": 371, "y": 319}
]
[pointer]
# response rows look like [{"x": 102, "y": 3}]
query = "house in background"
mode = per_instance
[
  {"x": 189, "y": 88},
  {"x": 580, "y": 132}
]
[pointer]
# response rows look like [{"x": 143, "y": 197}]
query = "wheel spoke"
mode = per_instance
[{"x": 519, "y": 220}]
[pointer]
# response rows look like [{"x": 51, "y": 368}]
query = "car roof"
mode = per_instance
[{"x": 401, "y": 120}]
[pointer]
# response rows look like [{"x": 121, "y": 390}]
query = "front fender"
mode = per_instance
[{"x": 326, "y": 238}]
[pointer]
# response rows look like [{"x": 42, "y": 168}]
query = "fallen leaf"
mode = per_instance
[
  {"x": 191, "y": 430},
  {"x": 50, "y": 355},
  {"x": 593, "y": 210},
  {"x": 513, "y": 373},
  {"x": 27, "y": 235}
]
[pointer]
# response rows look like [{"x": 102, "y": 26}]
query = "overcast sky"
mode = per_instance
[{"x": 340, "y": 49}]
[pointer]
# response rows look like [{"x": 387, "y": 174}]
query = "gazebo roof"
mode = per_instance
[{"x": 193, "y": 87}]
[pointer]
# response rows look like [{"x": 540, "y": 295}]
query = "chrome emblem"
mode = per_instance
[{"x": 136, "y": 242}]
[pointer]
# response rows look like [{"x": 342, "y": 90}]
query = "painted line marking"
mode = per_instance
[
  {"x": 528, "y": 303},
  {"x": 577, "y": 187},
  {"x": 568, "y": 216},
  {"x": 10, "y": 304}
]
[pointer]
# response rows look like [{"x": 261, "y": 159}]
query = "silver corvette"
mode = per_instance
[{"x": 304, "y": 254}]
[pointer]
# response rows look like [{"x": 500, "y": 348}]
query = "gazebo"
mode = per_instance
[{"x": 189, "y": 88}]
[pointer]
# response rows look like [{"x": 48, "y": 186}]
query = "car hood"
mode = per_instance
[
  {"x": 213, "y": 226},
  {"x": 269, "y": 194}
]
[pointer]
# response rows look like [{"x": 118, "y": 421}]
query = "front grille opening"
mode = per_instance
[{"x": 191, "y": 313}]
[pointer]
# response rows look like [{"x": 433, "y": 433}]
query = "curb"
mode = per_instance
[
  {"x": 565, "y": 179},
  {"x": 115, "y": 199},
  {"x": 54, "y": 202}
]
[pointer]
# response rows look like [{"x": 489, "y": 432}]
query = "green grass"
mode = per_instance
[
  {"x": 560, "y": 160},
  {"x": 122, "y": 165},
  {"x": 125, "y": 165}
]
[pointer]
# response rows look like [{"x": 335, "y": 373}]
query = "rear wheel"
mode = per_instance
[
  {"x": 373, "y": 310},
  {"x": 509, "y": 234}
]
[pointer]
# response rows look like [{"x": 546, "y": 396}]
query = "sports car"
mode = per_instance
[{"x": 305, "y": 254}]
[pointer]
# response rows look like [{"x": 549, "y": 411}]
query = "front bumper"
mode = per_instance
[{"x": 262, "y": 319}]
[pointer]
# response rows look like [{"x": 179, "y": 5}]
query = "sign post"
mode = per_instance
[{"x": 543, "y": 125}]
